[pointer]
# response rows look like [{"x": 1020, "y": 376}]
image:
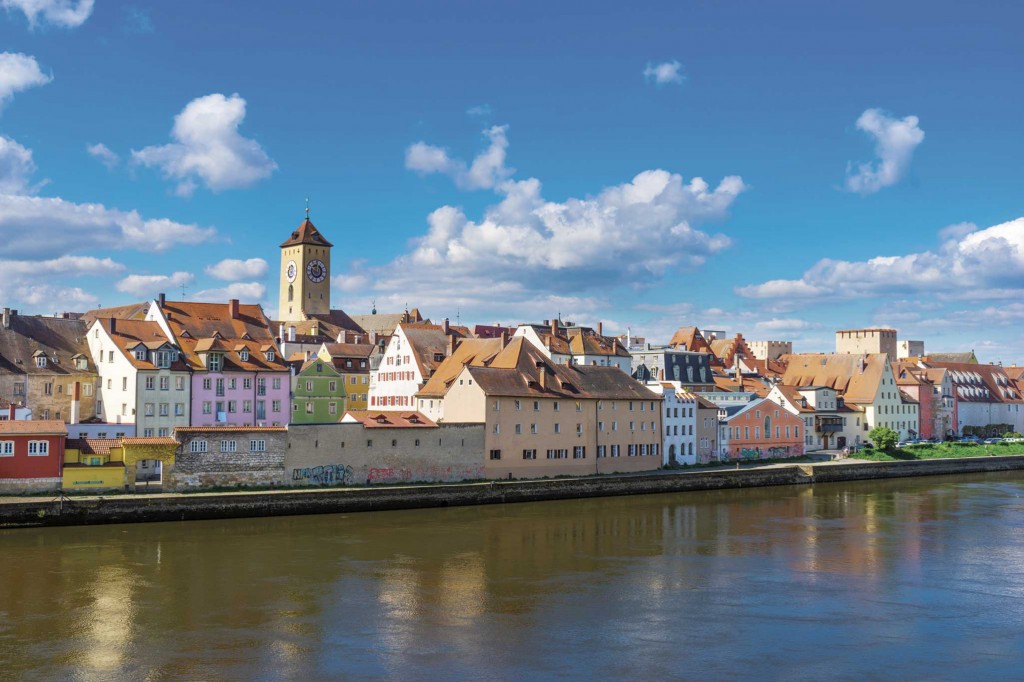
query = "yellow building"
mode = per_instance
[
  {"x": 305, "y": 274},
  {"x": 116, "y": 463}
]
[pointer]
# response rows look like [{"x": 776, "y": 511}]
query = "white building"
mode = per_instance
[
  {"x": 829, "y": 423},
  {"x": 412, "y": 355},
  {"x": 577, "y": 345},
  {"x": 143, "y": 380}
]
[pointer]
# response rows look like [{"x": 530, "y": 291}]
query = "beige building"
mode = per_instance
[
  {"x": 305, "y": 274},
  {"x": 867, "y": 341},
  {"x": 545, "y": 419},
  {"x": 45, "y": 366},
  {"x": 770, "y": 350},
  {"x": 910, "y": 349}
]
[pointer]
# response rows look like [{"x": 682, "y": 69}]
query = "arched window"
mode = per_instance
[
  {"x": 767, "y": 426},
  {"x": 291, "y": 292}
]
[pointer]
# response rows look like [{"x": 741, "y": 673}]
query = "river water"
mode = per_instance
[{"x": 912, "y": 579}]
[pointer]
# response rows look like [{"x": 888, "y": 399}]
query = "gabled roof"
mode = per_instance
[
  {"x": 128, "y": 334},
  {"x": 690, "y": 338},
  {"x": 516, "y": 371},
  {"x": 306, "y": 233},
  {"x": 429, "y": 345},
  {"x": 966, "y": 357},
  {"x": 210, "y": 327},
  {"x": 59, "y": 339},
  {"x": 975, "y": 382},
  {"x": 476, "y": 352},
  {"x": 854, "y": 376},
  {"x": 587, "y": 342},
  {"x": 384, "y": 323},
  {"x": 93, "y": 446},
  {"x": 133, "y": 311}
]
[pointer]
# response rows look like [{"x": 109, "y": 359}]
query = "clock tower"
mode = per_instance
[{"x": 305, "y": 274}]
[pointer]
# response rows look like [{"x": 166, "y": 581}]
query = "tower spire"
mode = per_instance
[{"x": 307, "y": 208}]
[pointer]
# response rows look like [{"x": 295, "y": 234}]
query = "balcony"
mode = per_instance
[{"x": 828, "y": 424}]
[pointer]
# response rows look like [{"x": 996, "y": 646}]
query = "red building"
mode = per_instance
[{"x": 31, "y": 454}]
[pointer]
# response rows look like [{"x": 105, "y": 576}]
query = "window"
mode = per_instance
[
  {"x": 616, "y": 449},
  {"x": 333, "y": 386},
  {"x": 332, "y": 408},
  {"x": 579, "y": 429},
  {"x": 558, "y": 428},
  {"x": 309, "y": 386},
  {"x": 632, "y": 426},
  {"x": 229, "y": 446},
  {"x": 529, "y": 454},
  {"x": 207, "y": 407},
  {"x": 519, "y": 405},
  {"x": 615, "y": 426},
  {"x": 179, "y": 409},
  {"x": 140, "y": 353},
  {"x": 247, "y": 383},
  {"x": 600, "y": 426},
  {"x": 147, "y": 433},
  {"x": 86, "y": 389},
  {"x": 213, "y": 362},
  {"x": 149, "y": 407},
  {"x": 557, "y": 407},
  {"x": 495, "y": 454},
  {"x": 165, "y": 383},
  {"x": 232, "y": 384},
  {"x": 232, "y": 406},
  {"x": 269, "y": 355},
  {"x": 6, "y": 448},
  {"x": 149, "y": 383},
  {"x": 496, "y": 406},
  {"x": 258, "y": 446},
  {"x": 631, "y": 450},
  {"x": 536, "y": 406},
  {"x": 497, "y": 428},
  {"x": 309, "y": 407},
  {"x": 579, "y": 452},
  {"x": 519, "y": 429},
  {"x": 602, "y": 450},
  {"x": 243, "y": 355},
  {"x": 110, "y": 356},
  {"x": 165, "y": 409},
  {"x": 179, "y": 383},
  {"x": 533, "y": 428},
  {"x": 579, "y": 406},
  {"x": 197, "y": 445}
]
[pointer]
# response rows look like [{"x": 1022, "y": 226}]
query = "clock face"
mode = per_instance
[
  {"x": 291, "y": 271},
  {"x": 316, "y": 271}
]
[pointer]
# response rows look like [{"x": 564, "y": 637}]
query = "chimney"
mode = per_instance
[
  {"x": 373, "y": 337},
  {"x": 291, "y": 334},
  {"x": 75, "y": 404},
  {"x": 504, "y": 338},
  {"x": 542, "y": 375},
  {"x": 7, "y": 318},
  {"x": 661, "y": 374},
  {"x": 341, "y": 336},
  {"x": 113, "y": 326},
  {"x": 600, "y": 329},
  {"x": 162, "y": 299},
  {"x": 233, "y": 308},
  {"x": 444, "y": 326},
  {"x": 11, "y": 411},
  {"x": 554, "y": 327}
]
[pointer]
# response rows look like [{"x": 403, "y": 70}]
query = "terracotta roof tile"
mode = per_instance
[
  {"x": 375, "y": 419},
  {"x": 33, "y": 427}
]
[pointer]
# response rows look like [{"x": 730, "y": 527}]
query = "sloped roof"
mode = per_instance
[
  {"x": 690, "y": 338},
  {"x": 306, "y": 233},
  {"x": 427, "y": 342},
  {"x": 975, "y": 382},
  {"x": 93, "y": 446},
  {"x": 966, "y": 357},
  {"x": 58, "y": 338},
  {"x": 133, "y": 311},
  {"x": 841, "y": 371},
  {"x": 474, "y": 352},
  {"x": 516, "y": 371},
  {"x": 33, "y": 427},
  {"x": 129, "y": 333},
  {"x": 377, "y": 419},
  {"x": 588, "y": 342},
  {"x": 210, "y": 327},
  {"x": 384, "y": 323}
]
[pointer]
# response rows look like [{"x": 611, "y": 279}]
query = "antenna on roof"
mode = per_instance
[{"x": 183, "y": 291}]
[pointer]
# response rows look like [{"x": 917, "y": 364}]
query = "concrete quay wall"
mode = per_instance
[{"x": 179, "y": 507}]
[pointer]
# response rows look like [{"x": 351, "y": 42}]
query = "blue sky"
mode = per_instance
[{"x": 506, "y": 163}]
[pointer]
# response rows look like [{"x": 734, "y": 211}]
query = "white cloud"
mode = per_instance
[
  {"x": 233, "y": 270},
  {"x": 45, "y": 227},
  {"x": 486, "y": 171},
  {"x": 895, "y": 142},
  {"x": 243, "y": 291},
  {"x": 479, "y": 110},
  {"x": 19, "y": 72},
  {"x": 65, "y": 266},
  {"x": 148, "y": 285},
  {"x": 981, "y": 264},
  {"x": 102, "y": 152},
  {"x": 209, "y": 147},
  {"x": 16, "y": 167},
  {"x": 664, "y": 73},
  {"x": 784, "y": 325},
  {"x": 52, "y": 298},
  {"x": 66, "y": 13}
]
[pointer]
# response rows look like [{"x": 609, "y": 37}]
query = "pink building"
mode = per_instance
[{"x": 238, "y": 375}]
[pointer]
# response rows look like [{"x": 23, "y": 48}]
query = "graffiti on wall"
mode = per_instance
[
  {"x": 323, "y": 475},
  {"x": 388, "y": 475}
]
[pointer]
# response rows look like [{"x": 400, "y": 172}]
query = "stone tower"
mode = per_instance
[{"x": 305, "y": 274}]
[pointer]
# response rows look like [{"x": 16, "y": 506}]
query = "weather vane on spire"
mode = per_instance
[{"x": 307, "y": 208}]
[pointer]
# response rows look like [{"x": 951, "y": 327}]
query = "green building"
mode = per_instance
[{"x": 319, "y": 395}]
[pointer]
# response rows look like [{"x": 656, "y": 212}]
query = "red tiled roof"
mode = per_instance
[
  {"x": 33, "y": 427},
  {"x": 373, "y": 419},
  {"x": 306, "y": 233},
  {"x": 93, "y": 446}
]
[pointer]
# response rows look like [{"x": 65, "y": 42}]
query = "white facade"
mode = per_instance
[
  {"x": 888, "y": 408},
  {"x": 398, "y": 378},
  {"x": 155, "y": 401},
  {"x": 828, "y": 426},
  {"x": 679, "y": 417},
  {"x": 770, "y": 350},
  {"x": 530, "y": 334}
]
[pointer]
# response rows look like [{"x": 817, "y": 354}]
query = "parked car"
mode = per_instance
[
  {"x": 992, "y": 441},
  {"x": 970, "y": 439}
]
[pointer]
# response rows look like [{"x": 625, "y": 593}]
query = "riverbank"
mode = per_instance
[
  {"x": 36, "y": 512},
  {"x": 949, "y": 450}
]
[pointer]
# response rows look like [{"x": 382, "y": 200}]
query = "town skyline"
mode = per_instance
[{"x": 662, "y": 184}]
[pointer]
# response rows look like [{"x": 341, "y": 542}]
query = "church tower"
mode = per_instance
[{"x": 305, "y": 274}]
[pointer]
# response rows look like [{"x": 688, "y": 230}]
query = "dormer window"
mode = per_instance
[
  {"x": 269, "y": 355},
  {"x": 140, "y": 353},
  {"x": 213, "y": 362},
  {"x": 163, "y": 359},
  {"x": 243, "y": 355},
  {"x": 41, "y": 361},
  {"x": 81, "y": 364}
]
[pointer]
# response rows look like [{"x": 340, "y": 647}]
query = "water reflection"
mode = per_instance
[{"x": 911, "y": 578}]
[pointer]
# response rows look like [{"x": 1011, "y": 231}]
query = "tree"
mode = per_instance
[
  {"x": 1012, "y": 434},
  {"x": 884, "y": 438}
]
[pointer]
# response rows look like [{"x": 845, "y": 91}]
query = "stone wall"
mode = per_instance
[
  {"x": 243, "y": 467},
  {"x": 330, "y": 454},
  {"x": 18, "y": 486}
]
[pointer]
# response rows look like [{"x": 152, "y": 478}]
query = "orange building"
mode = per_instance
[{"x": 760, "y": 429}]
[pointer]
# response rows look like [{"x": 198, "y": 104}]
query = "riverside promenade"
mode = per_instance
[{"x": 37, "y": 511}]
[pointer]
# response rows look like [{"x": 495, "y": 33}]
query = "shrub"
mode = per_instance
[
  {"x": 884, "y": 438},
  {"x": 1012, "y": 434}
]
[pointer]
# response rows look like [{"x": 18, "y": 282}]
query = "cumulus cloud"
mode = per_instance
[
  {"x": 209, "y": 148},
  {"x": 895, "y": 142},
  {"x": 526, "y": 254},
  {"x": 243, "y": 291},
  {"x": 33, "y": 227},
  {"x": 486, "y": 171},
  {"x": 66, "y": 266},
  {"x": 479, "y": 110},
  {"x": 985, "y": 263},
  {"x": 16, "y": 168},
  {"x": 103, "y": 153},
  {"x": 51, "y": 297},
  {"x": 784, "y": 325},
  {"x": 64, "y": 13},
  {"x": 664, "y": 73},
  {"x": 147, "y": 285},
  {"x": 233, "y": 270},
  {"x": 19, "y": 72}
]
